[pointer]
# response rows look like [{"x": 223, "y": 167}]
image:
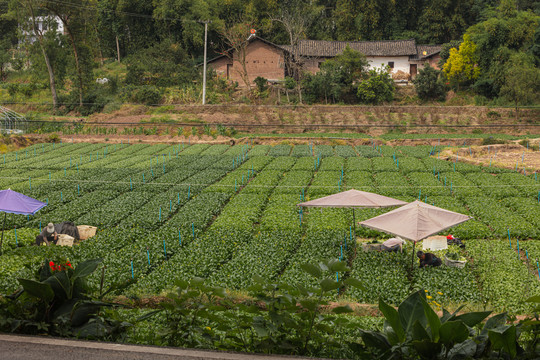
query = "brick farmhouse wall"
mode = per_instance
[
  {"x": 262, "y": 59},
  {"x": 268, "y": 61}
]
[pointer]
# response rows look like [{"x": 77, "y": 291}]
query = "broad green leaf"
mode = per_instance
[
  {"x": 60, "y": 284},
  {"x": 426, "y": 348},
  {"x": 419, "y": 333},
  {"x": 463, "y": 350},
  {"x": 411, "y": 310},
  {"x": 337, "y": 266},
  {"x": 535, "y": 299},
  {"x": 447, "y": 316},
  {"x": 311, "y": 305},
  {"x": 311, "y": 269},
  {"x": 329, "y": 284},
  {"x": 375, "y": 340},
  {"x": 356, "y": 283},
  {"x": 82, "y": 312},
  {"x": 342, "y": 309},
  {"x": 148, "y": 315},
  {"x": 37, "y": 289},
  {"x": 392, "y": 317},
  {"x": 433, "y": 321},
  {"x": 493, "y": 322},
  {"x": 452, "y": 332},
  {"x": 504, "y": 338},
  {"x": 86, "y": 268},
  {"x": 472, "y": 318}
]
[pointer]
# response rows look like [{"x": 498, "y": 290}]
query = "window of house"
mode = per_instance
[{"x": 391, "y": 64}]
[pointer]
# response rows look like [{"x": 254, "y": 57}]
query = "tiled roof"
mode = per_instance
[
  {"x": 322, "y": 48},
  {"x": 425, "y": 51}
]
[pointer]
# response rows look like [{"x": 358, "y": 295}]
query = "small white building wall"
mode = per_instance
[
  {"x": 45, "y": 24},
  {"x": 400, "y": 62}
]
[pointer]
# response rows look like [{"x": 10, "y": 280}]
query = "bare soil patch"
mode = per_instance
[{"x": 503, "y": 155}]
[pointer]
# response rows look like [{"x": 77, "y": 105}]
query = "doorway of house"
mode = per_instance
[{"x": 413, "y": 70}]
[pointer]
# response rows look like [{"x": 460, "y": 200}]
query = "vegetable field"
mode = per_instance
[{"x": 226, "y": 213}]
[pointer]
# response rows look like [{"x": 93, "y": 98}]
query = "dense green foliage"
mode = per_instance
[
  {"x": 227, "y": 213},
  {"x": 59, "y": 303},
  {"x": 429, "y": 84},
  {"x": 490, "y": 46}
]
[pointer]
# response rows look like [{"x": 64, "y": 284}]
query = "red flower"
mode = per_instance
[{"x": 51, "y": 264}]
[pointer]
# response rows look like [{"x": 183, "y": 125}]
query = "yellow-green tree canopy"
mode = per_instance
[{"x": 462, "y": 65}]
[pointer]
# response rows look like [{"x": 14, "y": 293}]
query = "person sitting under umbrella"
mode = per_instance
[
  {"x": 393, "y": 244},
  {"x": 48, "y": 236},
  {"x": 428, "y": 259}
]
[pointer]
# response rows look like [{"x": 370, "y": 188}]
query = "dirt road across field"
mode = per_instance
[{"x": 15, "y": 347}]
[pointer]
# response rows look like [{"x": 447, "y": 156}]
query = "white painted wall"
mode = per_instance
[
  {"x": 45, "y": 24},
  {"x": 400, "y": 62}
]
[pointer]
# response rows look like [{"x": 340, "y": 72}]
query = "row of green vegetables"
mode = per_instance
[{"x": 269, "y": 189}]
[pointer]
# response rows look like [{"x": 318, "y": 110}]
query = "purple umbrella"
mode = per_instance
[{"x": 17, "y": 203}]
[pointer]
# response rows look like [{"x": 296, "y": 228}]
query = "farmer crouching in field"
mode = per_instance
[
  {"x": 428, "y": 259},
  {"x": 48, "y": 236},
  {"x": 393, "y": 244}
]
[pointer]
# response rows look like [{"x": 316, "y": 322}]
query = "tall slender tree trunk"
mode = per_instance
[
  {"x": 117, "y": 48},
  {"x": 51, "y": 75},
  {"x": 77, "y": 64},
  {"x": 99, "y": 45},
  {"x": 39, "y": 34}
]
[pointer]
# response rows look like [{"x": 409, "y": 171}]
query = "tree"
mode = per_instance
[
  {"x": 75, "y": 16},
  {"x": 27, "y": 13},
  {"x": 444, "y": 20},
  {"x": 338, "y": 77},
  {"x": 379, "y": 87},
  {"x": 236, "y": 37},
  {"x": 462, "y": 65},
  {"x": 506, "y": 28},
  {"x": 164, "y": 64},
  {"x": 296, "y": 16},
  {"x": 428, "y": 84},
  {"x": 505, "y": 32},
  {"x": 521, "y": 81},
  {"x": 8, "y": 37}
]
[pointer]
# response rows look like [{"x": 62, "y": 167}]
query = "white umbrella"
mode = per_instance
[
  {"x": 415, "y": 221},
  {"x": 353, "y": 199}
]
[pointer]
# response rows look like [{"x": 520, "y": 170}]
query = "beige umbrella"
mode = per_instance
[
  {"x": 353, "y": 199},
  {"x": 415, "y": 221}
]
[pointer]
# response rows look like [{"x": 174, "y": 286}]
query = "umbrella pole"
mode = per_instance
[
  {"x": 412, "y": 256},
  {"x": 354, "y": 226},
  {"x": 2, "y": 239}
]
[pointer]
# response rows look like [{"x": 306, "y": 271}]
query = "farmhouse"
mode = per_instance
[{"x": 268, "y": 60}]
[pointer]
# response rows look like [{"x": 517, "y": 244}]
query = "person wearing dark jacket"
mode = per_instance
[
  {"x": 428, "y": 259},
  {"x": 48, "y": 235}
]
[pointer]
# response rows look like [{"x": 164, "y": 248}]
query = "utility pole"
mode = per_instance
[{"x": 204, "y": 63}]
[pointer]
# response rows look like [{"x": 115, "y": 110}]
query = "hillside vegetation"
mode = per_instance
[{"x": 149, "y": 52}]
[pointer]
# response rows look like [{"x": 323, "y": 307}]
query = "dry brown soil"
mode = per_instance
[{"x": 503, "y": 155}]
